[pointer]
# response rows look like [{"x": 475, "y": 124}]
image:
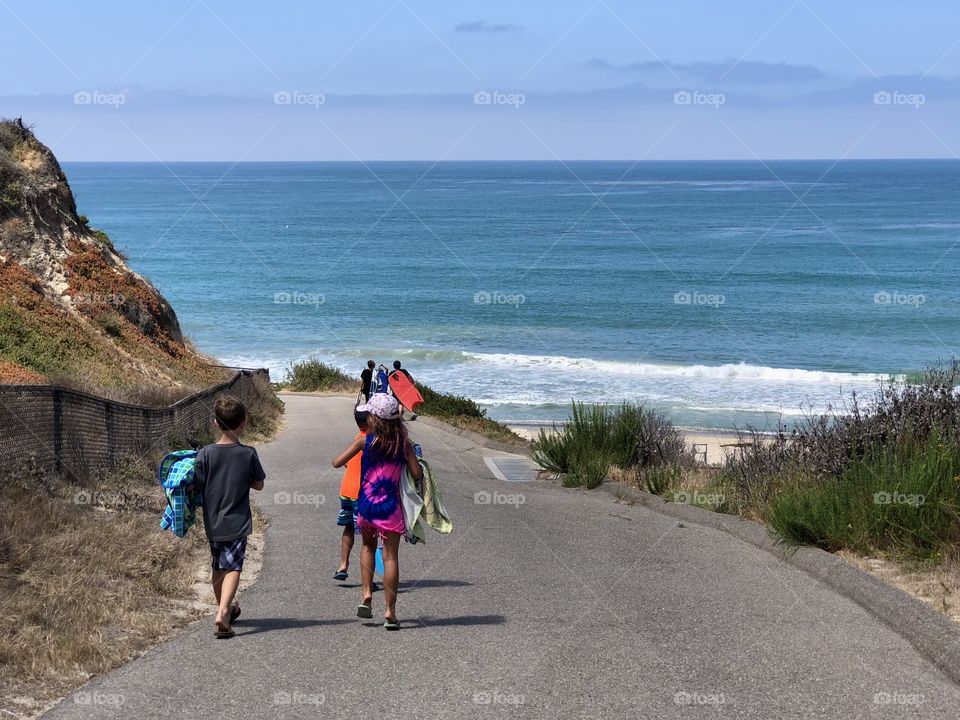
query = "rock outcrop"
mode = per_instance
[{"x": 69, "y": 304}]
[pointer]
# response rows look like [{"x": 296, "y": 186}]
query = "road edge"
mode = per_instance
[
  {"x": 934, "y": 636},
  {"x": 481, "y": 440}
]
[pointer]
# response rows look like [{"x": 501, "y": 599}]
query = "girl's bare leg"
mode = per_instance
[
  {"x": 391, "y": 574},
  {"x": 367, "y": 563}
]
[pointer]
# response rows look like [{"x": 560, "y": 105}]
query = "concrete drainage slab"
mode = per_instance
[{"x": 512, "y": 468}]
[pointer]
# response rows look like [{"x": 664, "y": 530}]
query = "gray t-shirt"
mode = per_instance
[{"x": 223, "y": 474}]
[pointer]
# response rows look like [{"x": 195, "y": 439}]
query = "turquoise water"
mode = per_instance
[{"x": 724, "y": 293}]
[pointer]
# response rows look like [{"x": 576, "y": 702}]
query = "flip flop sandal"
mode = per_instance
[
  {"x": 364, "y": 611},
  {"x": 391, "y": 624},
  {"x": 234, "y": 613},
  {"x": 341, "y": 575},
  {"x": 221, "y": 634}
]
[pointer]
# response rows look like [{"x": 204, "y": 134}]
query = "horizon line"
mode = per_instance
[{"x": 560, "y": 161}]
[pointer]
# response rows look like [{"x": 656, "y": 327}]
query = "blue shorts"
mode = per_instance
[
  {"x": 228, "y": 554},
  {"x": 347, "y": 517}
]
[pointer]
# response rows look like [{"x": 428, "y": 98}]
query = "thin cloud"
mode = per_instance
[
  {"x": 482, "y": 26},
  {"x": 731, "y": 70}
]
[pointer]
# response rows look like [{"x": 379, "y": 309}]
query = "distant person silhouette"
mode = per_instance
[
  {"x": 397, "y": 368},
  {"x": 366, "y": 380}
]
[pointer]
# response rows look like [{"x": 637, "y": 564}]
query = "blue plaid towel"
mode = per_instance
[{"x": 176, "y": 475}]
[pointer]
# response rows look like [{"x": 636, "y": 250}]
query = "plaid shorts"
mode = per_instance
[
  {"x": 347, "y": 517},
  {"x": 228, "y": 554}
]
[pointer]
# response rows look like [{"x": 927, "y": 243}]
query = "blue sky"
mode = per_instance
[{"x": 397, "y": 79}]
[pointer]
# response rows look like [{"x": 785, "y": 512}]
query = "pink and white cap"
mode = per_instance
[{"x": 382, "y": 405}]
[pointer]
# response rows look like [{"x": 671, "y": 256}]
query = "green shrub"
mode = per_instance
[
  {"x": 658, "y": 480},
  {"x": 590, "y": 470},
  {"x": 101, "y": 237},
  {"x": 440, "y": 404},
  {"x": 598, "y": 437},
  {"x": 313, "y": 376},
  {"x": 552, "y": 450},
  {"x": 757, "y": 468},
  {"x": 824, "y": 445},
  {"x": 25, "y": 341},
  {"x": 901, "y": 498},
  {"x": 110, "y": 323}
]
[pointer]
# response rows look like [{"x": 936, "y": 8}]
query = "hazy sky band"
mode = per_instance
[{"x": 401, "y": 79}]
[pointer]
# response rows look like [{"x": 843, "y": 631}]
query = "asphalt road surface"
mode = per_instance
[{"x": 544, "y": 603}]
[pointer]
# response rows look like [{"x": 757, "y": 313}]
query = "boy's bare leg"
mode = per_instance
[
  {"x": 229, "y": 583},
  {"x": 391, "y": 574},
  {"x": 217, "y": 581},
  {"x": 346, "y": 546},
  {"x": 367, "y": 563}
]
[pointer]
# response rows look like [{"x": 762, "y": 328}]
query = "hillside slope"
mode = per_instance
[{"x": 71, "y": 310}]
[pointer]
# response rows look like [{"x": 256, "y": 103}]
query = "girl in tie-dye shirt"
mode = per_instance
[{"x": 387, "y": 452}]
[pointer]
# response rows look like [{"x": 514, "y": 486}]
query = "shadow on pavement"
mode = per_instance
[
  {"x": 427, "y": 583},
  {"x": 259, "y": 625},
  {"x": 459, "y": 620},
  {"x": 408, "y": 585}
]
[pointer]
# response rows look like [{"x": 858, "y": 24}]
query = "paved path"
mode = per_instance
[{"x": 565, "y": 606}]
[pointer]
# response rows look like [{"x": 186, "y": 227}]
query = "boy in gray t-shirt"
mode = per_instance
[{"x": 225, "y": 472}]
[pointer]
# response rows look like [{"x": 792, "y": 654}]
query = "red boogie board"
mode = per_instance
[{"x": 405, "y": 391}]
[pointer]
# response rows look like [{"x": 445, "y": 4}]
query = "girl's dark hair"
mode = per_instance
[{"x": 389, "y": 435}]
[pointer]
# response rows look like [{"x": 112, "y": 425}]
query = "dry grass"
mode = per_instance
[
  {"x": 936, "y": 584},
  {"x": 88, "y": 580},
  {"x": 265, "y": 412},
  {"x": 486, "y": 427}
]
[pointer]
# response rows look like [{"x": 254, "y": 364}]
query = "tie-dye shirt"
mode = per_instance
[{"x": 379, "y": 505}]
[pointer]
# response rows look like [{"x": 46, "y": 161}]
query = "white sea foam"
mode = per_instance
[
  {"x": 729, "y": 371},
  {"x": 519, "y": 387},
  {"x": 922, "y": 226}
]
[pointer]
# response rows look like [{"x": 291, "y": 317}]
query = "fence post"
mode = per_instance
[
  {"x": 146, "y": 428},
  {"x": 57, "y": 430},
  {"x": 111, "y": 432}
]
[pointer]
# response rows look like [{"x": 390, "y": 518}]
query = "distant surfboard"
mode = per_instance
[{"x": 405, "y": 391}]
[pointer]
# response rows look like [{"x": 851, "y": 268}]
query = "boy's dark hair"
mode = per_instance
[
  {"x": 361, "y": 417},
  {"x": 229, "y": 412},
  {"x": 371, "y": 364},
  {"x": 396, "y": 364}
]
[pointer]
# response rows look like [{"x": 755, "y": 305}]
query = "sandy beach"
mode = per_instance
[{"x": 712, "y": 446}]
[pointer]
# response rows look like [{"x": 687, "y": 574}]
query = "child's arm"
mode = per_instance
[
  {"x": 257, "y": 474},
  {"x": 413, "y": 464},
  {"x": 356, "y": 446}
]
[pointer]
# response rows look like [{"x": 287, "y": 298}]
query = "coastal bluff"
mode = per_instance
[{"x": 70, "y": 305}]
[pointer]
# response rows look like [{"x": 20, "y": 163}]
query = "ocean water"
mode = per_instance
[{"x": 723, "y": 293}]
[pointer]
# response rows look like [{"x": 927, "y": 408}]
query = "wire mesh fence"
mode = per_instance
[{"x": 61, "y": 430}]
